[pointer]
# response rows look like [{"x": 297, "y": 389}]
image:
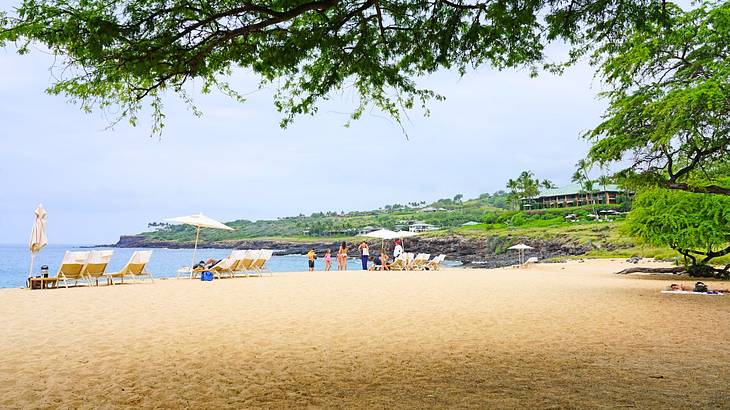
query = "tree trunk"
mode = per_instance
[{"x": 675, "y": 269}]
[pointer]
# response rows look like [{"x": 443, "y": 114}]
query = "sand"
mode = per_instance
[{"x": 554, "y": 335}]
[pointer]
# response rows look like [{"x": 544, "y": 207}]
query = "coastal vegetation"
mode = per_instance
[
  {"x": 695, "y": 225},
  {"x": 667, "y": 127},
  {"x": 668, "y": 116}
]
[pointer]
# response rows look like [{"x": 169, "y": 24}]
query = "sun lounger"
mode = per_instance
[
  {"x": 259, "y": 264},
  {"x": 96, "y": 265},
  {"x": 529, "y": 261},
  {"x": 135, "y": 267},
  {"x": 420, "y": 261},
  {"x": 400, "y": 263},
  {"x": 221, "y": 268},
  {"x": 435, "y": 263},
  {"x": 243, "y": 261},
  {"x": 71, "y": 267}
]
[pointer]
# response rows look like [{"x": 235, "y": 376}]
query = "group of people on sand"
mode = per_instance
[{"x": 380, "y": 259}]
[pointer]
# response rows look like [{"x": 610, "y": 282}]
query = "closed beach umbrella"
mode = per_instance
[
  {"x": 520, "y": 247},
  {"x": 198, "y": 221},
  {"x": 38, "y": 237}
]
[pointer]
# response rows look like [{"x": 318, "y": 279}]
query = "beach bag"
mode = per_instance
[
  {"x": 700, "y": 287},
  {"x": 206, "y": 276}
]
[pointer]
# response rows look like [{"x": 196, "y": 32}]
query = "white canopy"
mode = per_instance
[
  {"x": 406, "y": 234},
  {"x": 198, "y": 221},
  {"x": 38, "y": 237},
  {"x": 521, "y": 246},
  {"x": 382, "y": 234}
]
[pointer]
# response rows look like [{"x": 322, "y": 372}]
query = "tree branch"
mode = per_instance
[{"x": 709, "y": 189}]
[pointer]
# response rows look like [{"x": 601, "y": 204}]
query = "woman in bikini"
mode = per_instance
[{"x": 342, "y": 257}]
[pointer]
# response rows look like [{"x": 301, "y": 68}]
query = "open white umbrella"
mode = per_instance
[
  {"x": 198, "y": 221},
  {"x": 382, "y": 234},
  {"x": 38, "y": 237},
  {"x": 521, "y": 247}
]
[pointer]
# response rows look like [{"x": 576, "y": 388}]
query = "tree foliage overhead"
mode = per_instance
[
  {"x": 695, "y": 225},
  {"x": 669, "y": 106},
  {"x": 124, "y": 53}
]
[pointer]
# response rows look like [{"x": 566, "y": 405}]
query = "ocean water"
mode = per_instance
[{"x": 15, "y": 261}]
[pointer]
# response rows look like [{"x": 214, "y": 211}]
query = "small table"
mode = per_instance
[{"x": 41, "y": 283}]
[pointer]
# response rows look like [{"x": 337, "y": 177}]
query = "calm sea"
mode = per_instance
[{"x": 15, "y": 261}]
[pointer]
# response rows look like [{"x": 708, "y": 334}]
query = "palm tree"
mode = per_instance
[
  {"x": 547, "y": 184},
  {"x": 514, "y": 194},
  {"x": 528, "y": 186},
  {"x": 604, "y": 180},
  {"x": 581, "y": 176},
  {"x": 588, "y": 185}
]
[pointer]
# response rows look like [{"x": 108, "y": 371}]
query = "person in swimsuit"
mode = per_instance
[
  {"x": 384, "y": 259},
  {"x": 342, "y": 257},
  {"x": 327, "y": 260},
  {"x": 675, "y": 286},
  {"x": 206, "y": 264},
  {"x": 311, "y": 256}
]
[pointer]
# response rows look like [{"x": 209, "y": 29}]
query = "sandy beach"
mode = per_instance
[{"x": 554, "y": 335}]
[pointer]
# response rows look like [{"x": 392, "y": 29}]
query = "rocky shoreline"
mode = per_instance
[{"x": 483, "y": 252}]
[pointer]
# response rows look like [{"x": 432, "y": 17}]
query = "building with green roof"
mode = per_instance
[{"x": 573, "y": 195}]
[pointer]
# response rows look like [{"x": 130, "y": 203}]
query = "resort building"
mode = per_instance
[
  {"x": 421, "y": 227},
  {"x": 367, "y": 230},
  {"x": 572, "y": 195}
]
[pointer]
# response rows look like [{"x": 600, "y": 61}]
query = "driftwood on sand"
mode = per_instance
[{"x": 674, "y": 269}]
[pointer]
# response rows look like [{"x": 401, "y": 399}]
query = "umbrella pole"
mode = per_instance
[
  {"x": 195, "y": 250},
  {"x": 32, "y": 260}
]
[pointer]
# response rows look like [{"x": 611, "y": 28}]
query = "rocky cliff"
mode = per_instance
[{"x": 472, "y": 252}]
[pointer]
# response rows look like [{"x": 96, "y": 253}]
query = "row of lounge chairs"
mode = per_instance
[
  {"x": 238, "y": 263},
  {"x": 411, "y": 261},
  {"x": 90, "y": 266}
]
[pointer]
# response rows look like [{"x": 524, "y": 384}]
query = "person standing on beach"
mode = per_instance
[
  {"x": 398, "y": 249},
  {"x": 311, "y": 256},
  {"x": 364, "y": 254},
  {"x": 342, "y": 257},
  {"x": 327, "y": 260}
]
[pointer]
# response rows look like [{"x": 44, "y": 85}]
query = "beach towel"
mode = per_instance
[{"x": 687, "y": 292}]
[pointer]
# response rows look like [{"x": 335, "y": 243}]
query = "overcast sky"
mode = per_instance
[{"x": 235, "y": 162}]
